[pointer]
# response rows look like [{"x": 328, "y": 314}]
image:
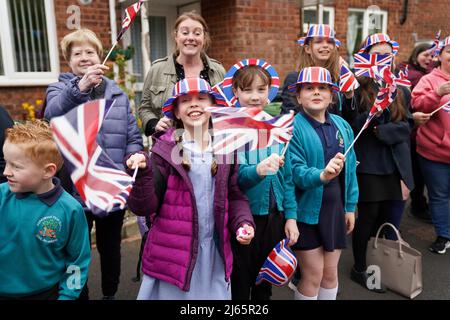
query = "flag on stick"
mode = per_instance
[
  {"x": 130, "y": 15},
  {"x": 234, "y": 128},
  {"x": 100, "y": 183}
]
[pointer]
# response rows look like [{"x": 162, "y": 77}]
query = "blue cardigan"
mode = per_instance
[
  {"x": 257, "y": 188},
  {"x": 307, "y": 161}
]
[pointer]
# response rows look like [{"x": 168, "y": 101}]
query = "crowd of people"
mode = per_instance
[{"x": 314, "y": 191}]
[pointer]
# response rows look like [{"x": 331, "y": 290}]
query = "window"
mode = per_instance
[
  {"x": 1, "y": 60},
  {"x": 158, "y": 38},
  {"x": 362, "y": 23},
  {"x": 309, "y": 16},
  {"x": 29, "y": 53}
]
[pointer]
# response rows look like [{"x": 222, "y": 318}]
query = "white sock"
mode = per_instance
[
  {"x": 299, "y": 296},
  {"x": 327, "y": 294}
]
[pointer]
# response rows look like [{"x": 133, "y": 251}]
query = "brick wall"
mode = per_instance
[
  {"x": 268, "y": 28},
  {"x": 265, "y": 29},
  {"x": 94, "y": 16},
  {"x": 424, "y": 18}
]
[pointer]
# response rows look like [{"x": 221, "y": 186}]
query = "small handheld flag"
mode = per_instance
[
  {"x": 279, "y": 266},
  {"x": 235, "y": 128},
  {"x": 100, "y": 183},
  {"x": 130, "y": 15}
]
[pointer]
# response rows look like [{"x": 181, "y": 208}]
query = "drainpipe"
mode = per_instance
[{"x": 404, "y": 13}]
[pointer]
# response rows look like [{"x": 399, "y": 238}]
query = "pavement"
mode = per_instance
[{"x": 435, "y": 267}]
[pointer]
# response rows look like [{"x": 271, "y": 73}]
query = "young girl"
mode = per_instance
[
  {"x": 194, "y": 201},
  {"x": 433, "y": 144},
  {"x": 319, "y": 48},
  {"x": 266, "y": 180},
  {"x": 326, "y": 198},
  {"x": 384, "y": 172}
]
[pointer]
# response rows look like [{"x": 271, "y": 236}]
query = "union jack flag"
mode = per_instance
[
  {"x": 100, "y": 183},
  {"x": 130, "y": 14},
  {"x": 219, "y": 89},
  {"x": 235, "y": 128},
  {"x": 364, "y": 63},
  {"x": 434, "y": 49},
  {"x": 347, "y": 80},
  {"x": 279, "y": 266}
]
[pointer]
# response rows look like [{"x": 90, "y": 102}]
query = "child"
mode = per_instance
[
  {"x": 326, "y": 199},
  {"x": 384, "y": 172},
  {"x": 267, "y": 184},
  {"x": 433, "y": 144},
  {"x": 194, "y": 201},
  {"x": 44, "y": 242},
  {"x": 319, "y": 48}
]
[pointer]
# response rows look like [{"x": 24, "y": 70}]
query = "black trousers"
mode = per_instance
[
  {"x": 371, "y": 215},
  {"x": 248, "y": 259},
  {"x": 418, "y": 200},
  {"x": 108, "y": 231}
]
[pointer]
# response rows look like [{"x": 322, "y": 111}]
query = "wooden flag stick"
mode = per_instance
[
  {"x": 441, "y": 107},
  {"x": 135, "y": 173},
  {"x": 354, "y": 140},
  {"x": 109, "y": 53}
]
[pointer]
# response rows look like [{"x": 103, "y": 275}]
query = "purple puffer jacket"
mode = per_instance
[{"x": 171, "y": 249}]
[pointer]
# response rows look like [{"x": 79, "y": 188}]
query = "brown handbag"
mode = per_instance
[{"x": 400, "y": 265}]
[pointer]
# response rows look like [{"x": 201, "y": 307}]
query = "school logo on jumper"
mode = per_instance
[
  {"x": 49, "y": 228},
  {"x": 340, "y": 139}
]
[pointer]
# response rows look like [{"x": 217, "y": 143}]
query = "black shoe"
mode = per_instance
[
  {"x": 440, "y": 245},
  {"x": 362, "y": 277},
  {"x": 109, "y": 298}
]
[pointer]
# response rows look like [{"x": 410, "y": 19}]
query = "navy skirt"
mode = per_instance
[{"x": 330, "y": 232}]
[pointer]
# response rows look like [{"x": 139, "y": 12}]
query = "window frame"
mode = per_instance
[
  {"x": 330, "y": 11},
  {"x": 12, "y": 77},
  {"x": 367, "y": 12}
]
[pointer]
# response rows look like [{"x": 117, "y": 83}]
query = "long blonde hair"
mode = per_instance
[{"x": 306, "y": 60}]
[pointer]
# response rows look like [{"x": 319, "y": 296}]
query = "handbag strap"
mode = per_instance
[{"x": 400, "y": 240}]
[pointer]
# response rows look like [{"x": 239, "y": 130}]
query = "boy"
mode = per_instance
[{"x": 44, "y": 242}]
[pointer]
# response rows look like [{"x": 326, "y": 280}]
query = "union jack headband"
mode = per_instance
[
  {"x": 320, "y": 31},
  {"x": 227, "y": 85},
  {"x": 313, "y": 75},
  {"x": 379, "y": 38},
  {"x": 442, "y": 45},
  {"x": 279, "y": 266},
  {"x": 187, "y": 86}
]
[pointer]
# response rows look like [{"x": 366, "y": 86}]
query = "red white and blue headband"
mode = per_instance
[
  {"x": 379, "y": 38},
  {"x": 314, "y": 75},
  {"x": 443, "y": 44},
  {"x": 227, "y": 84},
  {"x": 320, "y": 31},
  {"x": 187, "y": 86}
]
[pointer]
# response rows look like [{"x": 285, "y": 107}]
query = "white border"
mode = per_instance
[{"x": 14, "y": 78}]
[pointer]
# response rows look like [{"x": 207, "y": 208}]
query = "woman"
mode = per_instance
[
  {"x": 433, "y": 144},
  {"x": 419, "y": 64},
  {"x": 189, "y": 60},
  {"x": 119, "y": 135}
]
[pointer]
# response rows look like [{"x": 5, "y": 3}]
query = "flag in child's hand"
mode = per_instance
[
  {"x": 364, "y": 63},
  {"x": 236, "y": 128},
  {"x": 347, "y": 80},
  {"x": 100, "y": 183},
  {"x": 434, "y": 49},
  {"x": 130, "y": 14}
]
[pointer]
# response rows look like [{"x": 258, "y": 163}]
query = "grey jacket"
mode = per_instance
[{"x": 159, "y": 83}]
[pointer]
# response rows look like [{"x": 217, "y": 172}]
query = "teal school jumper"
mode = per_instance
[{"x": 307, "y": 162}]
